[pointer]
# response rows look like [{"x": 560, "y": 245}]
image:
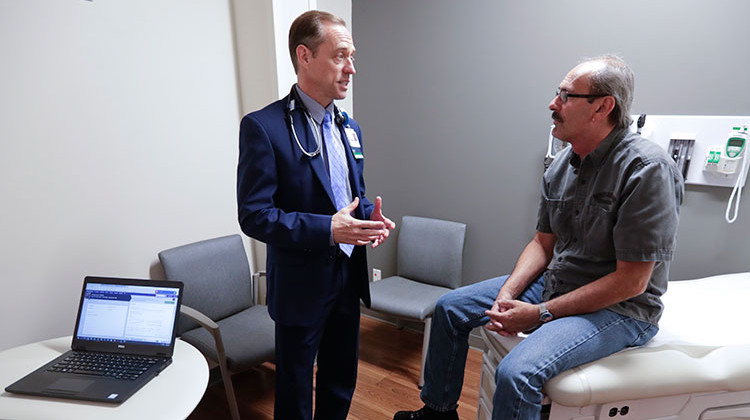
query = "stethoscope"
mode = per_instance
[{"x": 341, "y": 118}]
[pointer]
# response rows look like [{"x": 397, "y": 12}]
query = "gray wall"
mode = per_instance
[{"x": 452, "y": 97}]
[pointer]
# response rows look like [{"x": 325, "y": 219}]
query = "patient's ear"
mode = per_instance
[{"x": 606, "y": 106}]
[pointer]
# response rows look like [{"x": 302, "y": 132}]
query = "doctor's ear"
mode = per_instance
[{"x": 304, "y": 54}]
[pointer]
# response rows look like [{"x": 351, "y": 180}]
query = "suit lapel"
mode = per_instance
[{"x": 309, "y": 141}]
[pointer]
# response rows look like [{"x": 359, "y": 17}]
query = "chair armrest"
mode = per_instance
[
  {"x": 200, "y": 318},
  {"x": 211, "y": 326}
]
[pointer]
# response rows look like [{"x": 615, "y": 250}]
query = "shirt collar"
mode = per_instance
[
  {"x": 602, "y": 150},
  {"x": 314, "y": 109}
]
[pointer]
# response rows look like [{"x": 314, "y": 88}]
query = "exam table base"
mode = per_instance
[{"x": 699, "y": 406}]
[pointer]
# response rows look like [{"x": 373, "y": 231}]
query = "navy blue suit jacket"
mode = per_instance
[{"x": 285, "y": 200}]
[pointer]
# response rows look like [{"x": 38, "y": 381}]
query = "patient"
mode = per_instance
[{"x": 589, "y": 282}]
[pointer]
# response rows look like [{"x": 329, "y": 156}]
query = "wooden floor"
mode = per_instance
[{"x": 389, "y": 361}]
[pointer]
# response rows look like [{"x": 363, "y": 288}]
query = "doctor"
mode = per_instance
[{"x": 300, "y": 189}]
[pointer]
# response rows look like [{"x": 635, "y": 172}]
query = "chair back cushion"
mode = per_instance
[
  {"x": 431, "y": 251},
  {"x": 216, "y": 277}
]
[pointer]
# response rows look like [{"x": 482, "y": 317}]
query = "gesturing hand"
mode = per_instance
[
  {"x": 377, "y": 215},
  {"x": 349, "y": 230}
]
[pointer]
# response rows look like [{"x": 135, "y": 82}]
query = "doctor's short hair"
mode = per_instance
[
  {"x": 614, "y": 79},
  {"x": 307, "y": 30}
]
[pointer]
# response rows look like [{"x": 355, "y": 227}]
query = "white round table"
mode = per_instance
[{"x": 173, "y": 394}]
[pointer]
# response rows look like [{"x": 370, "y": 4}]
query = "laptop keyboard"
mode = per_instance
[{"x": 115, "y": 366}]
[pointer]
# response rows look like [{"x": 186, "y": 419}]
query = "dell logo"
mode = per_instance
[{"x": 120, "y": 346}]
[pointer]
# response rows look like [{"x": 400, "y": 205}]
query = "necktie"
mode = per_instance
[{"x": 338, "y": 172}]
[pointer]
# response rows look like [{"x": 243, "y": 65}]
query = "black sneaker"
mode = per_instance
[{"x": 426, "y": 413}]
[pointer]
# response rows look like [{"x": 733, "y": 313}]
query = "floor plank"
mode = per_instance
[{"x": 387, "y": 380}]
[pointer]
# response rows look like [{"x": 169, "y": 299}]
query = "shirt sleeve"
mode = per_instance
[
  {"x": 648, "y": 214},
  {"x": 543, "y": 223}
]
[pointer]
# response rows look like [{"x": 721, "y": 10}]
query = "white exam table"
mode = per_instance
[{"x": 696, "y": 368}]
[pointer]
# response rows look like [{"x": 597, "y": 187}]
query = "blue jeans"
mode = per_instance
[{"x": 554, "y": 347}]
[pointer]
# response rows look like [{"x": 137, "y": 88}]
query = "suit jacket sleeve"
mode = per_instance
[{"x": 270, "y": 208}]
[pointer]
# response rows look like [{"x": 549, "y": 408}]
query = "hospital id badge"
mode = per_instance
[{"x": 351, "y": 135}]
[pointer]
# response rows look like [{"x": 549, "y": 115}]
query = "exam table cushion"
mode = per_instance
[
  {"x": 703, "y": 345},
  {"x": 653, "y": 372}
]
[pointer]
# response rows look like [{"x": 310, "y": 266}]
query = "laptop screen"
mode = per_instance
[{"x": 127, "y": 313}]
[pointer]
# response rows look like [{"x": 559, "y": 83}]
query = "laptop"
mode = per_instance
[{"x": 124, "y": 336}]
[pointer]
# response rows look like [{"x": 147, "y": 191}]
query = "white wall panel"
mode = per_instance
[{"x": 118, "y": 138}]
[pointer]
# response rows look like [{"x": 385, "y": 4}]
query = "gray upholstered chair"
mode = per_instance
[
  {"x": 429, "y": 264},
  {"x": 219, "y": 316}
]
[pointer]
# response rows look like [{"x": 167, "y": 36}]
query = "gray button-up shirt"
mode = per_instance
[{"x": 621, "y": 202}]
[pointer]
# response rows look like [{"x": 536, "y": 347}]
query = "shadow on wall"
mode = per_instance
[{"x": 156, "y": 271}]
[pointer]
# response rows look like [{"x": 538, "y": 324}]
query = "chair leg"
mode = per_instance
[
  {"x": 425, "y": 343},
  {"x": 226, "y": 377}
]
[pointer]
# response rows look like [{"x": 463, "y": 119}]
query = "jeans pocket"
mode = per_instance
[{"x": 647, "y": 332}]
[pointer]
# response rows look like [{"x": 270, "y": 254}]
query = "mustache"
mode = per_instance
[{"x": 556, "y": 116}]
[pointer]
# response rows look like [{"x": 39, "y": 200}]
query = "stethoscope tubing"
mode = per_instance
[
  {"x": 290, "y": 107},
  {"x": 296, "y": 139}
]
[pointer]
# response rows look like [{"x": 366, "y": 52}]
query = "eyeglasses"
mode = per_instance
[{"x": 564, "y": 95}]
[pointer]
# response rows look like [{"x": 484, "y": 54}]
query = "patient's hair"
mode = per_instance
[
  {"x": 614, "y": 79},
  {"x": 308, "y": 30}
]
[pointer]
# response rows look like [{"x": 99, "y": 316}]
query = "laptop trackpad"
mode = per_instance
[{"x": 69, "y": 385}]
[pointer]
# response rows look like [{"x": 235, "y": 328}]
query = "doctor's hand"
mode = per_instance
[
  {"x": 349, "y": 230},
  {"x": 377, "y": 215},
  {"x": 509, "y": 317}
]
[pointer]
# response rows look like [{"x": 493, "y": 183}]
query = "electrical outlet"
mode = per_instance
[{"x": 376, "y": 274}]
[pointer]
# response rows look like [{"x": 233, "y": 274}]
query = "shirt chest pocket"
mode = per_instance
[
  {"x": 561, "y": 217},
  {"x": 598, "y": 220}
]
